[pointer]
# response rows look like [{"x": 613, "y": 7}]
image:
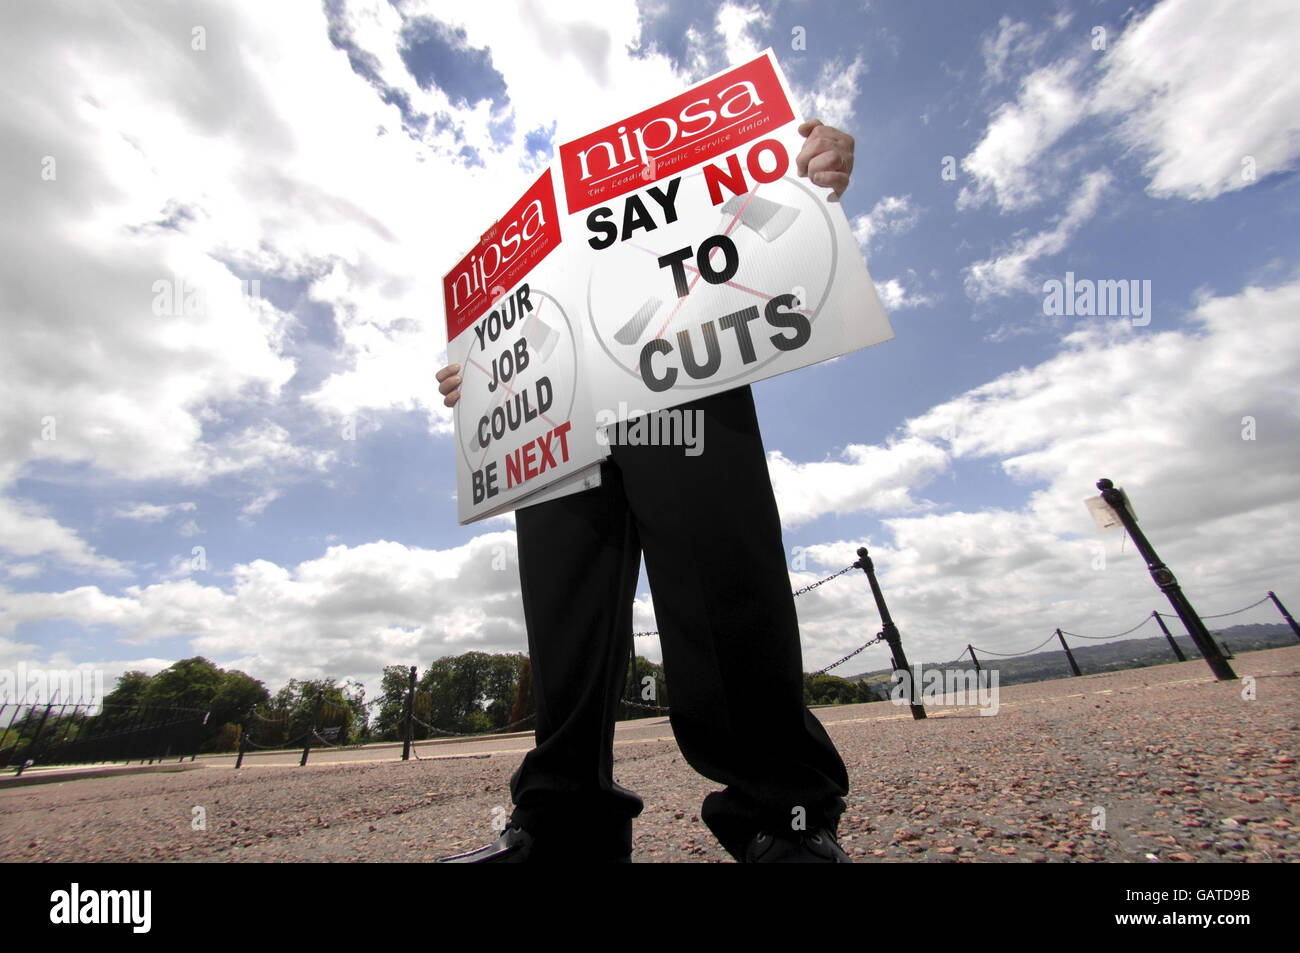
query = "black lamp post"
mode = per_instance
[
  {"x": 890, "y": 632},
  {"x": 1164, "y": 578}
]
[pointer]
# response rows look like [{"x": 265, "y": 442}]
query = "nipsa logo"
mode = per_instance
[
  {"x": 708, "y": 120},
  {"x": 527, "y": 234}
]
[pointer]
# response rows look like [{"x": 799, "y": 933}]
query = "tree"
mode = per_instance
[
  {"x": 295, "y": 706},
  {"x": 198, "y": 685},
  {"x": 129, "y": 689},
  {"x": 641, "y": 692},
  {"x": 472, "y": 692},
  {"x": 189, "y": 683},
  {"x": 523, "y": 714},
  {"x": 122, "y": 704},
  {"x": 393, "y": 687},
  {"x": 194, "y": 685},
  {"x": 236, "y": 696},
  {"x": 823, "y": 689}
]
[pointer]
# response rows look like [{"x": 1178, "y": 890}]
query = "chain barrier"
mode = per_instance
[
  {"x": 798, "y": 592},
  {"x": 1014, "y": 654},
  {"x": 959, "y": 658},
  {"x": 880, "y": 637},
  {"x": 472, "y": 734},
  {"x": 424, "y": 724},
  {"x": 280, "y": 721},
  {"x": 330, "y": 744},
  {"x": 821, "y": 582},
  {"x": 1220, "y": 615},
  {"x": 646, "y": 707},
  {"x": 290, "y": 744},
  {"x": 1076, "y": 635},
  {"x": 1103, "y": 637}
]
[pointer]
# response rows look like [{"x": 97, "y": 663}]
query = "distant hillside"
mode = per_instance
[{"x": 1109, "y": 656}]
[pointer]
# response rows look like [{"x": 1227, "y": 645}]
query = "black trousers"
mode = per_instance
[{"x": 709, "y": 528}]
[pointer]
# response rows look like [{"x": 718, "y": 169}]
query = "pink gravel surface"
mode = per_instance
[{"x": 1183, "y": 768}]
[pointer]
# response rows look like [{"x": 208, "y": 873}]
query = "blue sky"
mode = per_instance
[{"x": 266, "y": 478}]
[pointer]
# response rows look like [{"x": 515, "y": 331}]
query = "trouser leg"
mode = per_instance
[
  {"x": 578, "y": 564},
  {"x": 711, "y": 535}
]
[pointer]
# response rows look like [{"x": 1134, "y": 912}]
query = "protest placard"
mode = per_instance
[
  {"x": 667, "y": 256},
  {"x": 705, "y": 261},
  {"x": 524, "y": 420}
]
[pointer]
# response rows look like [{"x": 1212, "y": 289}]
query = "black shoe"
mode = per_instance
[
  {"x": 517, "y": 846},
  {"x": 799, "y": 847},
  {"x": 514, "y": 846}
]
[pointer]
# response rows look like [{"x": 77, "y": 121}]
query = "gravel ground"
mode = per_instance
[{"x": 1183, "y": 767}]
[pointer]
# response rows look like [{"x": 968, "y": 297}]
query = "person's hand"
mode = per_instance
[
  {"x": 449, "y": 384},
  {"x": 827, "y": 157}
]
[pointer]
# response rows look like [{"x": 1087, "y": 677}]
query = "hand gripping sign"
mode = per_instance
[
  {"x": 523, "y": 421},
  {"x": 705, "y": 262}
]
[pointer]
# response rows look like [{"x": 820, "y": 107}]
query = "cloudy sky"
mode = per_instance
[{"x": 226, "y": 224}]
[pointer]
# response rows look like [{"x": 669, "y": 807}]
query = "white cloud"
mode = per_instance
[
  {"x": 127, "y": 332},
  {"x": 698, "y": 63},
  {"x": 865, "y": 478},
  {"x": 1199, "y": 86},
  {"x": 262, "y": 155},
  {"x": 1205, "y": 91},
  {"x": 1158, "y": 411},
  {"x": 738, "y": 25},
  {"x": 1010, "y": 163},
  {"x": 387, "y": 297},
  {"x": 26, "y": 530},
  {"x": 23, "y": 570},
  {"x": 1013, "y": 39},
  {"x": 262, "y": 151},
  {"x": 736, "y": 36},
  {"x": 831, "y": 97},
  {"x": 895, "y": 295},
  {"x": 893, "y": 214},
  {"x": 1161, "y": 414},
  {"x": 1009, "y": 271},
  {"x": 152, "y": 512},
  {"x": 347, "y": 614},
  {"x": 267, "y": 443}
]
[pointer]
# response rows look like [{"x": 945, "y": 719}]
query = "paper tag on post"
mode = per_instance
[{"x": 1104, "y": 515}]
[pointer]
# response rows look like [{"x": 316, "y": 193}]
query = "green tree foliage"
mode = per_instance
[
  {"x": 829, "y": 690},
  {"x": 128, "y": 691},
  {"x": 189, "y": 683},
  {"x": 227, "y": 738},
  {"x": 237, "y": 694},
  {"x": 472, "y": 692},
  {"x": 198, "y": 684},
  {"x": 315, "y": 701},
  {"x": 523, "y": 714},
  {"x": 641, "y": 692},
  {"x": 354, "y": 696},
  {"x": 121, "y": 705},
  {"x": 392, "y": 707},
  {"x": 185, "y": 690},
  {"x": 34, "y": 724}
]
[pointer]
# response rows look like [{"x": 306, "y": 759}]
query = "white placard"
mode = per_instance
[
  {"x": 705, "y": 261},
  {"x": 668, "y": 256}
]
